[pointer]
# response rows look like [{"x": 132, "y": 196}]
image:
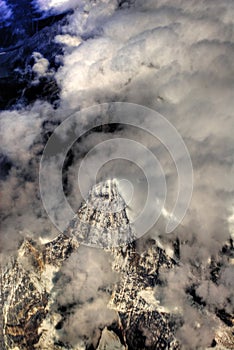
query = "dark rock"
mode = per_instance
[
  {"x": 5, "y": 166},
  {"x": 16, "y": 60}
]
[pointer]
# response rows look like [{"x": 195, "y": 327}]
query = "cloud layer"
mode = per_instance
[{"x": 175, "y": 57}]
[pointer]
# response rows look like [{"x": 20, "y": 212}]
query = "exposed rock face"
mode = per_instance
[
  {"x": 102, "y": 221},
  {"x": 26, "y": 285},
  {"x": 27, "y": 279},
  {"x": 145, "y": 325},
  {"x": 225, "y": 337},
  {"x": 27, "y": 319}
]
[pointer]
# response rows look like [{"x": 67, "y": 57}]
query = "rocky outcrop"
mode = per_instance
[{"x": 28, "y": 320}]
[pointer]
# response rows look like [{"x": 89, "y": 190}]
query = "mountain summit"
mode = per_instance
[
  {"x": 29, "y": 319},
  {"x": 102, "y": 219}
]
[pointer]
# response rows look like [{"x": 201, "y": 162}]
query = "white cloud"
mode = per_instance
[
  {"x": 68, "y": 40},
  {"x": 18, "y": 131},
  {"x": 60, "y": 6},
  {"x": 175, "y": 57},
  {"x": 41, "y": 65},
  {"x": 56, "y": 6},
  {"x": 21, "y": 141},
  {"x": 87, "y": 279}
]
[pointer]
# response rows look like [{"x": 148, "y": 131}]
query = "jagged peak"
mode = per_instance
[
  {"x": 105, "y": 196},
  {"x": 102, "y": 219}
]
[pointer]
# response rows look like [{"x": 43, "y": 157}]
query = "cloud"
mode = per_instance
[
  {"x": 86, "y": 281},
  {"x": 22, "y": 213},
  {"x": 41, "y": 65},
  {"x": 55, "y": 6},
  {"x": 61, "y": 6},
  {"x": 176, "y": 58}
]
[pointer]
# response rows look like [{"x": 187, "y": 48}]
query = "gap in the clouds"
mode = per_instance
[
  {"x": 5, "y": 14},
  {"x": 21, "y": 20},
  {"x": 5, "y": 166},
  {"x": 29, "y": 33}
]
